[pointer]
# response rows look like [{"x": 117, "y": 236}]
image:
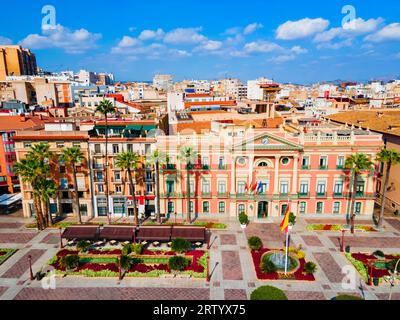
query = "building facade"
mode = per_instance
[{"x": 261, "y": 172}]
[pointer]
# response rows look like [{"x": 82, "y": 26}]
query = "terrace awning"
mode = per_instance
[
  {"x": 80, "y": 233},
  {"x": 191, "y": 234},
  {"x": 117, "y": 233},
  {"x": 154, "y": 233}
]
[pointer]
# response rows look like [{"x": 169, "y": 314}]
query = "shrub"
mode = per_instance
[
  {"x": 180, "y": 245},
  {"x": 243, "y": 219},
  {"x": 70, "y": 262},
  {"x": 82, "y": 246},
  {"x": 379, "y": 253},
  {"x": 300, "y": 254},
  {"x": 310, "y": 268},
  {"x": 267, "y": 266},
  {"x": 178, "y": 263},
  {"x": 126, "y": 262},
  {"x": 292, "y": 218},
  {"x": 346, "y": 297},
  {"x": 126, "y": 250},
  {"x": 137, "y": 248},
  {"x": 268, "y": 293},
  {"x": 392, "y": 265},
  {"x": 255, "y": 243}
]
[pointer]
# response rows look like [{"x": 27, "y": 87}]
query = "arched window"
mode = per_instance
[{"x": 263, "y": 164}]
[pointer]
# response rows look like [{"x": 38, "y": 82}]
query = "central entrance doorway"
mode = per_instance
[{"x": 263, "y": 209}]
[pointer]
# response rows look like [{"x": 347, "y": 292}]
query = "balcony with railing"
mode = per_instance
[
  {"x": 321, "y": 195},
  {"x": 304, "y": 195},
  {"x": 305, "y": 167}
]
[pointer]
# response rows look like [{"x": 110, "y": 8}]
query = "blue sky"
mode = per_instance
[{"x": 290, "y": 41}]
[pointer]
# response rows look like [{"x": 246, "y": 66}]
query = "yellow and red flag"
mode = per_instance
[{"x": 285, "y": 221}]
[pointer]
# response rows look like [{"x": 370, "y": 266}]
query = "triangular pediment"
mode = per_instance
[{"x": 267, "y": 141}]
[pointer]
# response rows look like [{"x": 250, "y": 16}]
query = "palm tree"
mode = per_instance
[
  {"x": 390, "y": 158},
  {"x": 129, "y": 161},
  {"x": 357, "y": 163},
  {"x": 30, "y": 171},
  {"x": 105, "y": 108},
  {"x": 48, "y": 190},
  {"x": 156, "y": 159},
  {"x": 72, "y": 156},
  {"x": 189, "y": 156}
]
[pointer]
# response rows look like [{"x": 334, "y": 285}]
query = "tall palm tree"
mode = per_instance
[
  {"x": 157, "y": 159},
  {"x": 72, "y": 156},
  {"x": 390, "y": 158},
  {"x": 189, "y": 156},
  {"x": 106, "y": 107},
  {"x": 129, "y": 161},
  {"x": 357, "y": 163},
  {"x": 48, "y": 190},
  {"x": 31, "y": 171}
]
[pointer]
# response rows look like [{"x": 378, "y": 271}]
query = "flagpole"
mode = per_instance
[{"x": 286, "y": 253}]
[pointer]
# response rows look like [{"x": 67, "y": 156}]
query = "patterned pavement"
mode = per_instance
[{"x": 233, "y": 276}]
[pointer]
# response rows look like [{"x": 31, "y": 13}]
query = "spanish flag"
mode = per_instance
[{"x": 285, "y": 221}]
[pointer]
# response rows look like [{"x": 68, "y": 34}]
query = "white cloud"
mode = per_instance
[
  {"x": 184, "y": 36},
  {"x": 74, "y": 42},
  {"x": 209, "y": 45},
  {"x": 335, "y": 46},
  {"x": 232, "y": 31},
  {"x": 150, "y": 34},
  {"x": 252, "y": 28},
  {"x": 283, "y": 58},
  {"x": 180, "y": 53},
  {"x": 361, "y": 26},
  {"x": 128, "y": 41},
  {"x": 300, "y": 29},
  {"x": 261, "y": 46},
  {"x": 388, "y": 33},
  {"x": 298, "y": 50},
  {"x": 5, "y": 41},
  {"x": 328, "y": 35},
  {"x": 351, "y": 29}
]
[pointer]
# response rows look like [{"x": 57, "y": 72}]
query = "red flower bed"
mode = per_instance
[
  {"x": 2, "y": 253},
  {"x": 375, "y": 272},
  {"x": 195, "y": 255},
  {"x": 298, "y": 275}
]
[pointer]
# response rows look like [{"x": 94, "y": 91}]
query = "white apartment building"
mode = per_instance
[
  {"x": 162, "y": 82},
  {"x": 254, "y": 90}
]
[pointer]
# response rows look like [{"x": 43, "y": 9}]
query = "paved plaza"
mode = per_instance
[{"x": 232, "y": 272}]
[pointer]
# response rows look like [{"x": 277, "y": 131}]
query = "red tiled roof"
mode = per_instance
[{"x": 14, "y": 123}]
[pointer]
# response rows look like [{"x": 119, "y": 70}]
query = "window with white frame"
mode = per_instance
[
  {"x": 303, "y": 207},
  {"x": 321, "y": 187},
  {"x": 304, "y": 187},
  {"x": 336, "y": 207},
  {"x": 284, "y": 187},
  {"x": 221, "y": 187},
  {"x": 206, "y": 187}
]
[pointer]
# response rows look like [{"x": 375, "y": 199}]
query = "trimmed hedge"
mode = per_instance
[
  {"x": 268, "y": 293},
  {"x": 180, "y": 245},
  {"x": 178, "y": 263},
  {"x": 255, "y": 243}
]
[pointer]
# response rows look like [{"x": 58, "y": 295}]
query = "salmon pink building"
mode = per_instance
[{"x": 262, "y": 171}]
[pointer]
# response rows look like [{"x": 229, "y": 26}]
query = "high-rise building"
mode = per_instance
[{"x": 16, "y": 61}]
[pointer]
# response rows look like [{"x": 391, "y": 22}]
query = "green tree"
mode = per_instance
[
  {"x": 390, "y": 158},
  {"x": 73, "y": 156},
  {"x": 106, "y": 108},
  {"x": 48, "y": 190},
  {"x": 189, "y": 156},
  {"x": 29, "y": 171},
  {"x": 356, "y": 163},
  {"x": 35, "y": 170},
  {"x": 157, "y": 159},
  {"x": 129, "y": 161}
]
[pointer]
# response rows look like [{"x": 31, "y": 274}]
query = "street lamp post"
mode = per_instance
[
  {"x": 30, "y": 268},
  {"x": 342, "y": 242},
  {"x": 61, "y": 242},
  {"x": 119, "y": 269}
]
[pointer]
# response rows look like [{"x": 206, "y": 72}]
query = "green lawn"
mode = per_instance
[{"x": 5, "y": 254}]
